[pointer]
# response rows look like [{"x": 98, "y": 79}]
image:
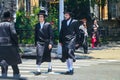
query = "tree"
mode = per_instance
[
  {"x": 80, "y": 7},
  {"x": 25, "y": 26}
]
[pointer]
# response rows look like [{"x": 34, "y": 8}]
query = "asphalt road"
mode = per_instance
[{"x": 89, "y": 69}]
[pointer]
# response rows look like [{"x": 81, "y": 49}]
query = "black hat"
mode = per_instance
[
  {"x": 6, "y": 14},
  {"x": 42, "y": 12}
]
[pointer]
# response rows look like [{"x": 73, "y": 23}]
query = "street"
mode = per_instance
[
  {"x": 42, "y": 30},
  {"x": 94, "y": 69},
  {"x": 100, "y": 64}
]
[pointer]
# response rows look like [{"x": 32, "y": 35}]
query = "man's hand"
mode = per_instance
[
  {"x": 50, "y": 46},
  {"x": 76, "y": 45}
]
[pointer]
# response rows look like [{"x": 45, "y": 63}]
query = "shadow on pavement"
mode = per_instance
[
  {"x": 83, "y": 56},
  {"x": 56, "y": 73},
  {"x": 11, "y": 78}
]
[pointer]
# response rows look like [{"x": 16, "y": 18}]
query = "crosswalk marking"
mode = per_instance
[{"x": 29, "y": 66}]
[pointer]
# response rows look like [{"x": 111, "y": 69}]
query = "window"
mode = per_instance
[{"x": 113, "y": 10}]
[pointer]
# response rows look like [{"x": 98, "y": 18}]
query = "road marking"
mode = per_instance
[{"x": 28, "y": 67}]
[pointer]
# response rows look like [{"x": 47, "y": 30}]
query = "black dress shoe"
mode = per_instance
[
  {"x": 67, "y": 72},
  {"x": 71, "y": 72},
  {"x": 62, "y": 60},
  {"x": 37, "y": 73},
  {"x": 49, "y": 70}
]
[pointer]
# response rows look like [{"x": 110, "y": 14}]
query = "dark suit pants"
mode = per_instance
[
  {"x": 5, "y": 69},
  {"x": 85, "y": 45}
]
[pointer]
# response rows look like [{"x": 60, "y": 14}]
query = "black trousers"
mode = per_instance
[
  {"x": 5, "y": 69},
  {"x": 85, "y": 45}
]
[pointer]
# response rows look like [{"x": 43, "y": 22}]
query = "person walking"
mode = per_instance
[
  {"x": 95, "y": 29},
  {"x": 43, "y": 42},
  {"x": 83, "y": 29},
  {"x": 9, "y": 50},
  {"x": 69, "y": 35}
]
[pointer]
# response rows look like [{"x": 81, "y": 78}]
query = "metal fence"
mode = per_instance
[
  {"x": 26, "y": 36},
  {"x": 110, "y": 34},
  {"x": 114, "y": 34}
]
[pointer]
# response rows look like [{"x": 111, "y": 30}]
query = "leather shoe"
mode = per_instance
[
  {"x": 37, "y": 73},
  {"x": 71, "y": 72},
  {"x": 49, "y": 70}
]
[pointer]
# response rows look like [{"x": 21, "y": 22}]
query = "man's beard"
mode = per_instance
[{"x": 68, "y": 19}]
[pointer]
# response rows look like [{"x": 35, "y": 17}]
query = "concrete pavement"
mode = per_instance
[
  {"x": 101, "y": 63},
  {"x": 109, "y": 51},
  {"x": 86, "y": 69}
]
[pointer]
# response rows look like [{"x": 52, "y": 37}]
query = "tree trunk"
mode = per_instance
[{"x": 109, "y": 10}]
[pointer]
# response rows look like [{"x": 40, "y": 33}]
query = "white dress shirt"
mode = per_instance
[
  {"x": 41, "y": 24},
  {"x": 68, "y": 22}
]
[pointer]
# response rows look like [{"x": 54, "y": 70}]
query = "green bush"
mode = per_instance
[
  {"x": 53, "y": 16},
  {"x": 25, "y": 26}
]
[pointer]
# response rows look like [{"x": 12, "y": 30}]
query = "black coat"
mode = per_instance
[
  {"x": 9, "y": 44},
  {"x": 43, "y": 37},
  {"x": 69, "y": 36}
]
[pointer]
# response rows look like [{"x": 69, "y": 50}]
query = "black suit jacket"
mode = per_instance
[
  {"x": 45, "y": 34},
  {"x": 9, "y": 43},
  {"x": 67, "y": 33},
  {"x": 8, "y": 33}
]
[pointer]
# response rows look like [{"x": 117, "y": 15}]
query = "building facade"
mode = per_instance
[
  {"x": 7, "y": 5},
  {"x": 29, "y": 5},
  {"x": 110, "y": 10}
]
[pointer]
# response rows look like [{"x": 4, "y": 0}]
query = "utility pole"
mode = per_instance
[
  {"x": 61, "y": 12},
  {"x": 61, "y": 17}
]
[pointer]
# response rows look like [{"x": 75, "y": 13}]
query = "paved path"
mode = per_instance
[{"x": 28, "y": 67}]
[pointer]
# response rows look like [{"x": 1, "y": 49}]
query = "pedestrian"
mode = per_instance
[
  {"x": 93, "y": 40},
  {"x": 83, "y": 29},
  {"x": 43, "y": 42},
  {"x": 9, "y": 51},
  {"x": 68, "y": 35},
  {"x": 95, "y": 29}
]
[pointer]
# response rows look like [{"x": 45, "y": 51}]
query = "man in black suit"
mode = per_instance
[
  {"x": 69, "y": 34},
  {"x": 43, "y": 42},
  {"x": 9, "y": 54}
]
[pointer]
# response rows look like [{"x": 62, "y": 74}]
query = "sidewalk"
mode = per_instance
[{"x": 111, "y": 52}]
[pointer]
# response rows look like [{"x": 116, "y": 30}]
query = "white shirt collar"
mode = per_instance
[
  {"x": 68, "y": 22},
  {"x": 41, "y": 24}
]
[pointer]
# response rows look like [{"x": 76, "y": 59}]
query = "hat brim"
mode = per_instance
[{"x": 41, "y": 14}]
